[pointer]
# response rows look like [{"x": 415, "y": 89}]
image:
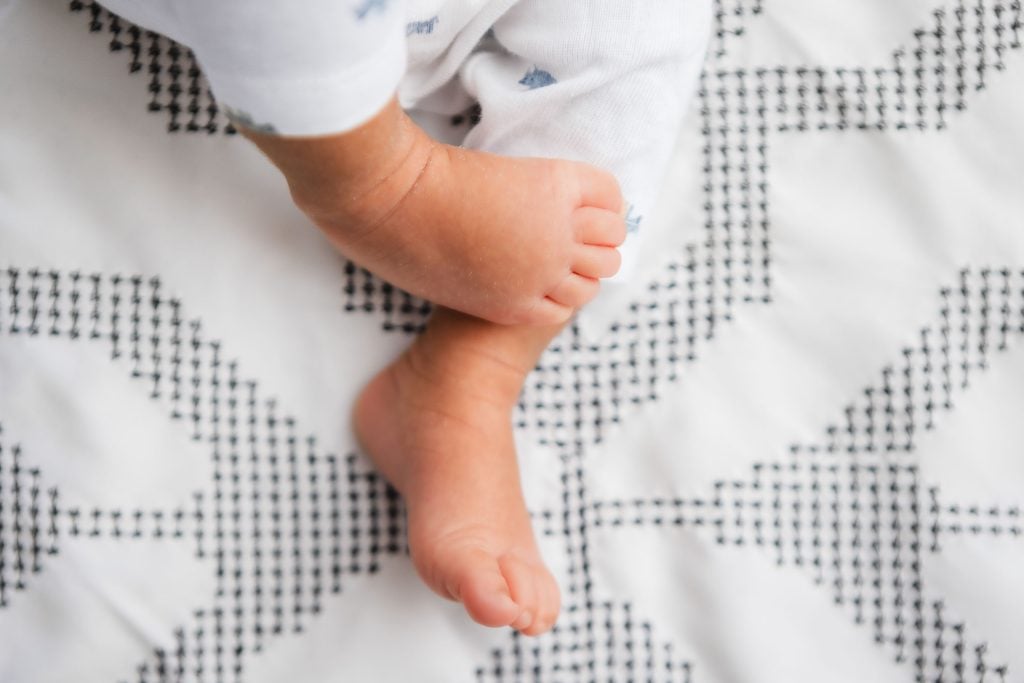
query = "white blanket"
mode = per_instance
[{"x": 789, "y": 450}]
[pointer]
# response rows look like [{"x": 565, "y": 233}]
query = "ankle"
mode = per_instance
[
  {"x": 457, "y": 373},
  {"x": 336, "y": 178},
  {"x": 387, "y": 185}
]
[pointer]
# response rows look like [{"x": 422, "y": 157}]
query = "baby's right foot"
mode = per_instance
[{"x": 510, "y": 240}]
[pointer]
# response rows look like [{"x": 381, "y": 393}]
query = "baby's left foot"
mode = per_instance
[{"x": 437, "y": 423}]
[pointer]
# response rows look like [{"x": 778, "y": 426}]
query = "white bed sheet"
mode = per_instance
[{"x": 790, "y": 450}]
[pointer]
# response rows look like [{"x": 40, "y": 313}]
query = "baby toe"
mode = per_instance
[
  {"x": 599, "y": 226},
  {"x": 549, "y": 604},
  {"x": 596, "y": 262},
  {"x": 575, "y": 290},
  {"x": 522, "y": 582},
  {"x": 545, "y": 311},
  {"x": 485, "y": 594},
  {"x": 599, "y": 188},
  {"x": 552, "y": 602}
]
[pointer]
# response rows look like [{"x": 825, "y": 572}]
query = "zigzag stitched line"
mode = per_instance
[
  {"x": 851, "y": 510},
  {"x": 281, "y": 523}
]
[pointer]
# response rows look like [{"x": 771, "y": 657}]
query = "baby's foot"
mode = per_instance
[
  {"x": 437, "y": 423},
  {"x": 510, "y": 240}
]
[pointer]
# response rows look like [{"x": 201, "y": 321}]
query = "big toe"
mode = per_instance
[
  {"x": 476, "y": 580},
  {"x": 535, "y": 591},
  {"x": 599, "y": 188},
  {"x": 505, "y": 591},
  {"x": 545, "y": 311}
]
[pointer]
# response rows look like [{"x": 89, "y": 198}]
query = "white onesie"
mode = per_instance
[{"x": 600, "y": 81}]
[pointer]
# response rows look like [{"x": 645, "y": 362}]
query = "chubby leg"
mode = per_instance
[{"x": 437, "y": 423}]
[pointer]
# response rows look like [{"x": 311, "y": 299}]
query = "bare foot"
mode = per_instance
[
  {"x": 510, "y": 240},
  {"x": 437, "y": 423}
]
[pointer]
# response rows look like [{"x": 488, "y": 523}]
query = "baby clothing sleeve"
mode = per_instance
[
  {"x": 309, "y": 68},
  {"x": 605, "y": 82}
]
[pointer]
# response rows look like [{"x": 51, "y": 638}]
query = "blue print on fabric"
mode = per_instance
[
  {"x": 537, "y": 78},
  {"x": 632, "y": 221},
  {"x": 421, "y": 27},
  {"x": 367, "y": 6}
]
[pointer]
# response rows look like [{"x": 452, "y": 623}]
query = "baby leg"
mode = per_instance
[{"x": 437, "y": 423}]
